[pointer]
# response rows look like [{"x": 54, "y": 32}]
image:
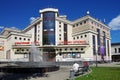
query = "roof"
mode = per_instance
[
  {"x": 48, "y": 9},
  {"x": 114, "y": 44}
]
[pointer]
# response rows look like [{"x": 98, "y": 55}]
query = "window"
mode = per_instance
[
  {"x": 59, "y": 38},
  {"x": 98, "y": 40},
  {"x": 81, "y": 36},
  {"x": 60, "y": 54},
  {"x": 81, "y": 49},
  {"x": 59, "y": 30},
  {"x": 73, "y": 55},
  {"x": 28, "y": 39},
  {"x": 74, "y": 38},
  {"x": 84, "y": 22},
  {"x": 27, "y": 49},
  {"x": 76, "y": 48},
  {"x": 59, "y": 22},
  {"x": 76, "y": 24},
  {"x": 59, "y": 34},
  {"x": 70, "y": 48},
  {"x": 59, "y": 26},
  {"x": 24, "y": 38},
  {"x": 85, "y": 35},
  {"x": 81, "y": 23},
  {"x": 115, "y": 50},
  {"x": 119, "y": 50},
  {"x": 73, "y": 25},
  {"x": 60, "y": 49},
  {"x": 65, "y": 49},
  {"x": 15, "y": 37},
  {"x": 20, "y": 38},
  {"x": 94, "y": 44},
  {"x": 77, "y": 37}
]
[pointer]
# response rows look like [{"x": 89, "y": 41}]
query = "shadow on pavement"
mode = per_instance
[{"x": 20, "y": 76}]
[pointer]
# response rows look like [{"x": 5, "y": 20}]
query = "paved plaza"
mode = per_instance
[{"x": 62, "y": 74}]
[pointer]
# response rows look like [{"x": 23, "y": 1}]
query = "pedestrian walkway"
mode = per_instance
[
  {"x": 62, "y": 74},
  {"x": 112, "y": 64}
]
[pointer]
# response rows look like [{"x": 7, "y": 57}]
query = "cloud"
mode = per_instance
[
  {"x": 32, "y": 19},
  {"x": 14, "y": 28},
  {"x": 1, "y": 27},
  {"x": 115, "y": 23}
]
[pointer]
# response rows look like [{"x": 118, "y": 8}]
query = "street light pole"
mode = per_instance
[{"x": 96, "y": 59}]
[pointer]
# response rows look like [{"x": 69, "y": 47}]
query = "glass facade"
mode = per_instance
[{"x": 49, "y": 28}]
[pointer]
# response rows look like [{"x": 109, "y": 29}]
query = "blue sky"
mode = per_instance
[{"x": 18, "y": 13}]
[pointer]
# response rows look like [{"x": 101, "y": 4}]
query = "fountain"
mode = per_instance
[
  {"x": 34, "y": 65},
  {"x": 35, "y": 55}
]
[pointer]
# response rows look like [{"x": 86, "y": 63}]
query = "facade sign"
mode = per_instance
[
  {"x": 73, "y": 42},
  {"x": 26, "y": 43}
]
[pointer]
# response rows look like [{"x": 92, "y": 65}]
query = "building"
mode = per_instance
[
  {"x": 115, "y": 51},
  {"x": 58, "y": 39}
]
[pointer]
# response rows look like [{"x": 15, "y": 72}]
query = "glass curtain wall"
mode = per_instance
[{"x": 49, "y": 28}]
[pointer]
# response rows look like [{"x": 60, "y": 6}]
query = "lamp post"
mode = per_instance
[{"x": 96, "y": 58}]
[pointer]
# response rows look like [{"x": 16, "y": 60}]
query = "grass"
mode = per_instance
[{"x": 102, "y": 73}]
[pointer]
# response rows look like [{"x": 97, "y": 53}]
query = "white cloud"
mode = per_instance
[
  {"x": 115, "y": 23},
  {"x": 1, "y": 27},
  {"x": 14, "y": 28},
  {"x": 32, "y": 19}
]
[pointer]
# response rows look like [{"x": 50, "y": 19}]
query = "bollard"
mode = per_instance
[{"x": 72, "y": 73}]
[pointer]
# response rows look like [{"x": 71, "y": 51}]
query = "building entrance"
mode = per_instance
[{"x": 49, "y": 54}]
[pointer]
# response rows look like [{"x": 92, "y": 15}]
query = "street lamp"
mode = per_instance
[{"x": 96, "y": 58}]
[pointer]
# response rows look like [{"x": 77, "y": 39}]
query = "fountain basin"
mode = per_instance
[{"x": 29, "y": 67}]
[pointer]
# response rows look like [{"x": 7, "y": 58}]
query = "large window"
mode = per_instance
[
  {"x": 98, "y": 40},
  {"x": 115, "y": 50},
  {"x": 35, "y": 33},
  {"x": 94, "y": 45},
  {"x": 49, "y": 28},
  {"x": 104, "y": 42},
  {"x": 65, "y": 33},
  {"x": 108, "y": 47}
]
